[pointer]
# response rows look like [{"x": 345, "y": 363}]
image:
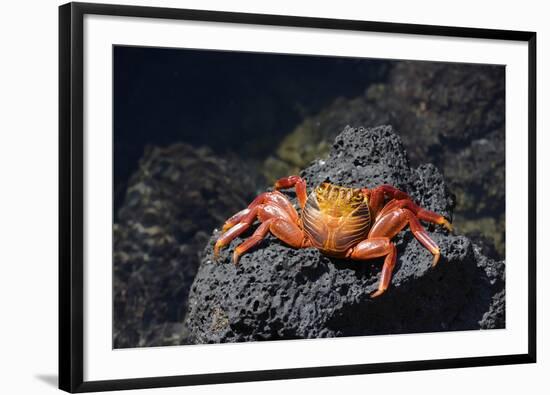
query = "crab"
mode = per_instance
[{"x": 341, "y": 222}]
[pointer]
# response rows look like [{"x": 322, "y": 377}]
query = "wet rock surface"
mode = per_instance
[
  {"x": 176, "y": 193},
  {"x": 451, "y": 115},
  {"x": 278, "y": 292}
]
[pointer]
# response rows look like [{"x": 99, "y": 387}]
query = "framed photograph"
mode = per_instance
[{"x": 251, "y": 197}]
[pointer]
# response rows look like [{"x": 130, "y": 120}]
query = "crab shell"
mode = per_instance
[{"x": 336, "y": 218}]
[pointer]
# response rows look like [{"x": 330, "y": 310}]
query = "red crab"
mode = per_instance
[{"x": 341, "y": 222}]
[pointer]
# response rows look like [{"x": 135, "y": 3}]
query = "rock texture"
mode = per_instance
[
  {"x": 280, "y": 293},
  {"x": 452, "y": 115},
  {"x": 176, "y": 197}
]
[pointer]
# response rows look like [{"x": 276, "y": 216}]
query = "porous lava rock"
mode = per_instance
[
  {"x": 277, "y": 292},
  {"x": 176, "y": 197}
]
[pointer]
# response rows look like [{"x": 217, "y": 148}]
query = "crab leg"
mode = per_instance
[
  {"x": 375, "y": 248},
  {"x": 421, "y": 213},
  {"x": 289, "y": 233},
  {"x": 297, "y": 182},
  {"x": 286, "y": 231},
  {"x": 377, "y": 196},
  {"x": 253, "y": 240},
  {"x": 240, "y": 216},
  {"x": 391, "y": 223},
  {"x": 265, "y": 206},
  {"x": 235, "y": 219},
  {"x": 400, "y": 199},
  {"x": 235, "y": 230},
  {"x": 387, "y": 225},
  {"x": 422, "y": 236},
  {"x": 392, "y": 192},
  {"x": 430, "y": 216}
]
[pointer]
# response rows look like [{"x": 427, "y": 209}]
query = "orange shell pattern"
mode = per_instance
[{"x": 336, "y": 218}]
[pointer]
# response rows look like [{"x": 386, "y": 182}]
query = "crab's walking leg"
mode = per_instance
[
  {"x": 430, "y": 216},
  {"x": 242, "y": 215},
  {"x": 400, "y": 199},
  {"x": 297, "y": 182},
  {"x": 375, "y": 248},
  {"x": 289, "y": 233},
  {"x": 266, "y": 205},
  {"x": 286, "y": 231},
  {"x": 422, "y": 236},
  {"x": 235, "y": 230},
  {"x": 253, "y": 240},
  {"x": 391, "y": 223},
  {"x": 421, "y": 213},
  {"x": 392, "y": 192},
  {"x": 377, "y": 197},
  {"x": 387, "y": 225},
  {"x": 235, "y": 219}
]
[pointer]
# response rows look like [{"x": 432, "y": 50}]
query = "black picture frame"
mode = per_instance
[{"x": 71, "y": 204}]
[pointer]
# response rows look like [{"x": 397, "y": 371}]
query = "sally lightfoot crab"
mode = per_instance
[{"x": 341, "y": 222}]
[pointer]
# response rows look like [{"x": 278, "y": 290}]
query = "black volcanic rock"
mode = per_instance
[
  {"x": 175, "y": 198},
  {"x": 278, "y": 292}
]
